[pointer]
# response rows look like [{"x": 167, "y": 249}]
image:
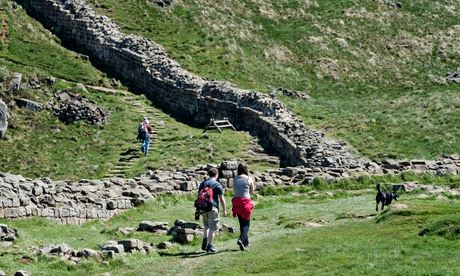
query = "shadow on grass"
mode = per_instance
[
  {"x": 130, "y": 151},
  {"x": 193, "y": 254}
]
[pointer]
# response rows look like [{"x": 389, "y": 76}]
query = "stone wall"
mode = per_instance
[
  {"x": 75, "y": 202},
  {"x": 146, "y": 66}
]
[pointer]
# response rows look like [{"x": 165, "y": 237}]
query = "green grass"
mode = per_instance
[
  {"x": 41, "y": 145},
  {"x": 353, "y": 239},
  {"x": 32, "y": 50},
  {"x": 373, "y": 71}
]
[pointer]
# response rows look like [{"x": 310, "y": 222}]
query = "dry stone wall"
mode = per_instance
[
  {"x": 75, "y": 202},
  {"x": 146, "y": 66}
]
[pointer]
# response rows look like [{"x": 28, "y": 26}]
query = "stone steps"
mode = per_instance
[{"x": 129, "y": 157}]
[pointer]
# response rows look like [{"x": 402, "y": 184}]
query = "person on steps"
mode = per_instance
[
  {"x": 144, "y": 135},
  {"x": 242, "y": 206},
  {"x": 211, "y": 218}
]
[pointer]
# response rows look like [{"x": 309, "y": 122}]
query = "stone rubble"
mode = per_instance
[
  {"x": 185, "y": 232},
  {"x": 7, "y": 235},
  {"x": 70, "y": 107},
  {"x": 75, "y": 202}
]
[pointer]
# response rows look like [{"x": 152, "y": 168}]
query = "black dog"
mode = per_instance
[{"x": 385, "y": 197}]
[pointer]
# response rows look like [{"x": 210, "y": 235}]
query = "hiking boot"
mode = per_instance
[
  {"x": 204, "y": 244},
  {"x": 240, "y": 244},
  {"x": 210, "y": 249}
]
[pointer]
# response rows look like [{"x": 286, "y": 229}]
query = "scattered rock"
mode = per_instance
[
  {"x": 162, "y": 3},
  {"x": 291, "y": 93},
  {"x": 155, "y": 227},
  {"x": 454, "y": 76},
  {"x": 393, "y": 4},
  {"x": 8, "y": 234}
]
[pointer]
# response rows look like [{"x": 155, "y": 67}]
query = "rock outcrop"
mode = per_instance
[
  {"x": 146, "y": 66},
  {"x": 3, "y": 119}
]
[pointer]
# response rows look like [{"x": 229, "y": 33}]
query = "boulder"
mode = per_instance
[
  {"x": 21, "y": 273},
  {"x": 454, "y": 76},
  {"x": 3, "y": 119},
  {"x": 16, "y": 82},
  {"x": 132, "y": 245},
  {"x": 117, "y": 248},
  {"x": 29, "y": 104}
]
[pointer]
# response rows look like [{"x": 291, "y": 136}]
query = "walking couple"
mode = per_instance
[{"x": 242, "y": 206}]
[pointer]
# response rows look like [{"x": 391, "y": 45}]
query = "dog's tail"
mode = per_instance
[{"x": 378, "y": 188}]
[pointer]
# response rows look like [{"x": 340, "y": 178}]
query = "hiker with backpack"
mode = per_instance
[
  {"x": 242, "y": 206},
  {"x": 143, "y": 134},
  {"x": 210, "y": 192}
]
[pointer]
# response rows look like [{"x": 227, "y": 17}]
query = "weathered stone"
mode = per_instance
[
  {"x": 153, "y": 226},
  {"x": 60, "y": 249},
  {"x": 164, "y": 245},
  {"x": 229, "y": 165},
  {"x": 4, "y": 114},
  {"x": 108, "y": 254},
  {"x": 21, "y": 273},
  {"x": 187, "y": 186},
  {"x": 291, "y": 171},
  {"x": 117, "y": 248},
  {"x": 16, "y": 82},
  {"x": 29, "y": 104},
  {"x": 131, "y": 244},
  {"x": 88, "y": 253}
]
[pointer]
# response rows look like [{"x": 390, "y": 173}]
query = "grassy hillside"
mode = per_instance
[
  {"x": 376, "y": 74},
  {"x": 420, "y": 237},
  {"x": 39, "y": 145}
]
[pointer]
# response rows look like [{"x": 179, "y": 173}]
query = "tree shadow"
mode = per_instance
[{"x": 190, "y": 255}]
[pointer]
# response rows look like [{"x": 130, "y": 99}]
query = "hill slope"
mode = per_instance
[
  {"x": 39, "y": 145},
  {"x": 376, "y": 73}
]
